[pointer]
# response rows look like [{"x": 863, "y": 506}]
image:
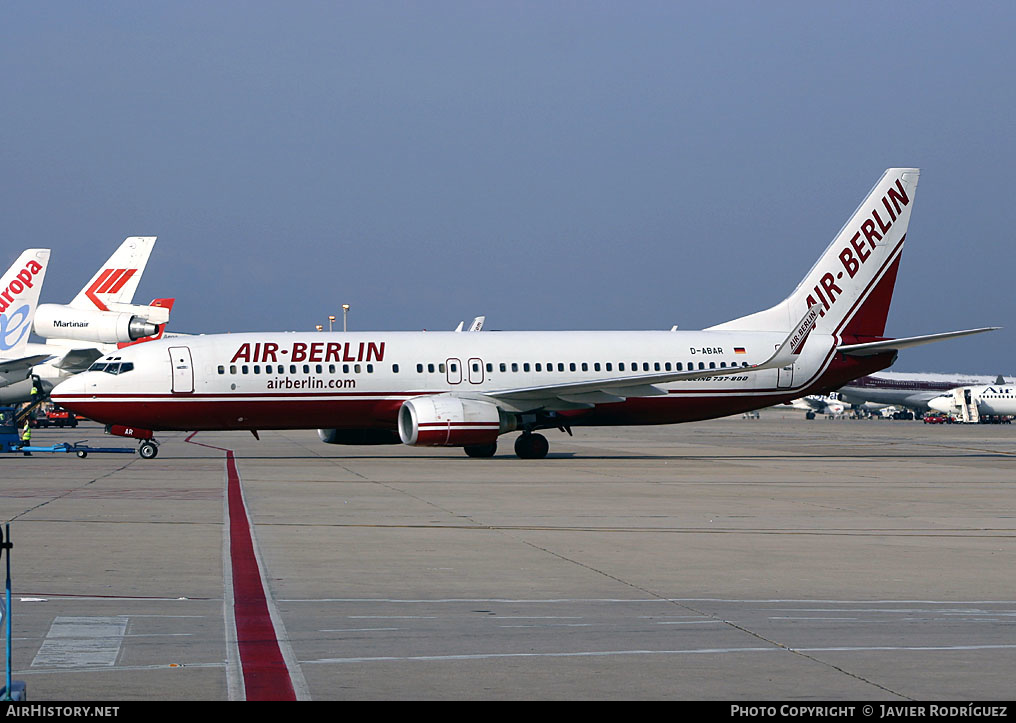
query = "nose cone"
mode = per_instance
[
  {"x": 941, "y": 404},
  {"x": 73, "y": 387}
]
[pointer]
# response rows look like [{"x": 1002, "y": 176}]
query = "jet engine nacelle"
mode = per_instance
[
  {"x": 443, "y": 420},
  {"x": 55, "y": 321}
]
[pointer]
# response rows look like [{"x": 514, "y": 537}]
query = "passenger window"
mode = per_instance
[
  {"x": 679, "y": 366},
  {"x": 539, "y": 367},
  {"x": 318, "y": 369},
  {"x": 244, "y": 369},
  {"x": 571, "y": 366},
  {"x": 525, "y": 366},
  {"x": 232, "y": 368},
  {"x": 503, "y": 367},
  {"x": 430, "y": 368},
  {"x": 610, "y": 367},
  {"x": 257, "y": 368},
  {"x": 419, "y": 368},
  {"x": 222, "y": 369},
  {"x": 596, "y": 366},
  {"x": 356, "y": 368},
  {"x": 560, "y": 366},
  {"x": 515, "y": 366},
  {"x": 395, "y": 368},
  {"x": 585, "y": 367}
]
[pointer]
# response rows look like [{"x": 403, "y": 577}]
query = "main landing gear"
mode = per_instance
[{"x": 530, "y": 445}]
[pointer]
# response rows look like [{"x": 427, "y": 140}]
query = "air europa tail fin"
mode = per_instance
[
  {"x": 117, "y": 279},
  {"x": 853, "y": 279},
  {"x": 19, "y": 295}
]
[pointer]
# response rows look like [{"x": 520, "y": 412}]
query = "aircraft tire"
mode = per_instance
[
  {"x": 481, "y": 450},
  {"x": 147, "y": 450},
  {"x": 531, "y": 446}
]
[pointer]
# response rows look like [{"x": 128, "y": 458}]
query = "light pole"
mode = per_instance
[
  {"x": 345, "y": 311},
  {"x": 331, "y": 320}
]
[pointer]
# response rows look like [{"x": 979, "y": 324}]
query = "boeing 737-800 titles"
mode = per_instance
[{"x": 455, "y": 389}]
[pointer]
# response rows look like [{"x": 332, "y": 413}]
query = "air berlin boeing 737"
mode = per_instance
[{"x": 465, "y": 390}]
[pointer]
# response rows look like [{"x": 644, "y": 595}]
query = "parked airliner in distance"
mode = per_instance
[
  {"x": 913, "y": 390},
  {"x": 815, "y": 404},
  {"x": 972, "y": 404},
  {"x": 465, "y": 390}
]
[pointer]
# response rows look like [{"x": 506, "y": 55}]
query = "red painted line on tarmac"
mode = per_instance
[{"x": 264, "y": 670}]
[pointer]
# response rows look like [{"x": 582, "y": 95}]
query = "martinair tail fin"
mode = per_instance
[
  {"x": 116, "y": 281},
  {"x": 853, "y": 279},
  {"x": 19, "y": 295}
]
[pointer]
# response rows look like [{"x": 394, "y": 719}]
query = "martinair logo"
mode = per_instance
[
  {"x": 110, "y": 281},
  {"x": 15, "y": 325}
]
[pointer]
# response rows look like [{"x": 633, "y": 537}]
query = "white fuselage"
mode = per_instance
[
  {"x": 991, "y": 399},
  {"x": 300, "y": 380}
]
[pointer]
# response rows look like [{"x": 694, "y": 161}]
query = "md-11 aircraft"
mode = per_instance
[{"x": 465, "y": 390}]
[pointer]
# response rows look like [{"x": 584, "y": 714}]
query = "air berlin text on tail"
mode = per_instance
[{"x": 854, "y": 254}]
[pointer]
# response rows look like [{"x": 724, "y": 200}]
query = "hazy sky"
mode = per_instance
[{"x": 552, "y": 165}]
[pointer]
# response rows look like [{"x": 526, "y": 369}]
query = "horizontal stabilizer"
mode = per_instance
[{"x": 872, "y": 348}]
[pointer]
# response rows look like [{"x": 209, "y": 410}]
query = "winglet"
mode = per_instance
[{"x": 793, "y": 345}]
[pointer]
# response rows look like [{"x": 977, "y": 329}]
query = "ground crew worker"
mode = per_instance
[{"x": 26, "y": 438}]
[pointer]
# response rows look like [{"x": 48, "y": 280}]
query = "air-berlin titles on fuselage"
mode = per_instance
[
  {"x": 317, "y": 351},
  {"x": 856, "y": 253}
]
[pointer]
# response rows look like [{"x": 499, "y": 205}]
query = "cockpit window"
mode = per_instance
[{"x": 112, "y": 367}]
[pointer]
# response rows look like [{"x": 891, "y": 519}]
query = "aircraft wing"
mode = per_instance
[
  {"x": 589, "y": 393},
  {"x": 14, "y": 370},
  {"x": 879, "y": 347},
  {"x": 78, "y": 360}
]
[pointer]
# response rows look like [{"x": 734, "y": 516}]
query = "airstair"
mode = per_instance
[{"x": 963, "y": 400}]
